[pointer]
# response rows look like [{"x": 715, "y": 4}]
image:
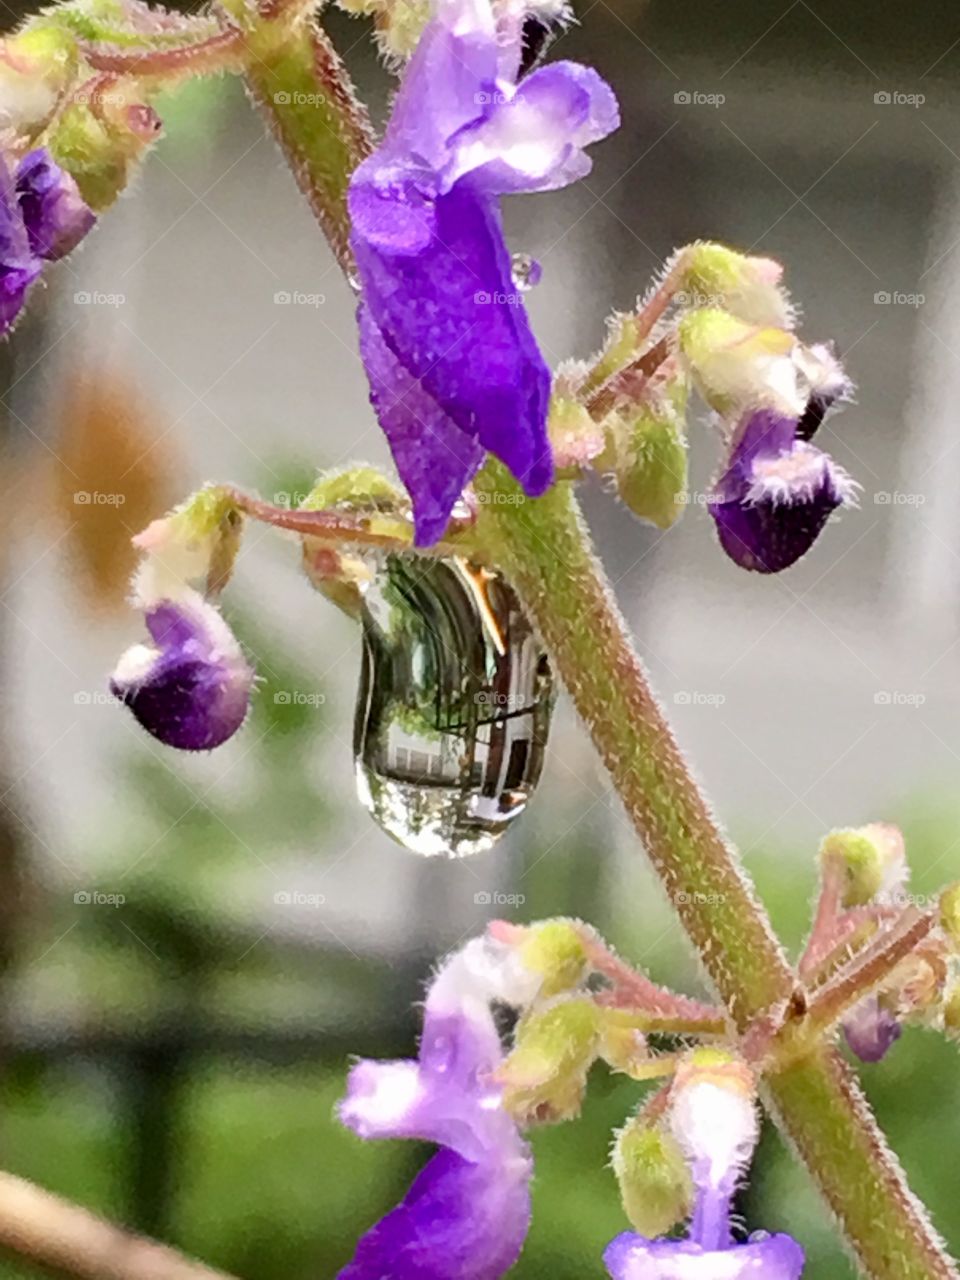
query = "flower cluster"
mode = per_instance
[
  {"x": 466, "y": 1215},
  {"x": 453, "y": 365},
  {"x": 42, "y": 218}
]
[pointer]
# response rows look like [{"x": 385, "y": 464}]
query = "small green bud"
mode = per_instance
[
  {"x": 655, "y": 1183},
  {"x": 748, "y": 287},
  {"x": 554, "y": 949},
  {"x": 99, "y": 137},
  {"x": 361, "y": 489},
  {"x": 647, "y": 451},
  {"x": 335, "y": 571},
  {"x": 194, "y": 546},
  {"x": 545, "y": 1075},
  {"x": 872, "y": 859}
]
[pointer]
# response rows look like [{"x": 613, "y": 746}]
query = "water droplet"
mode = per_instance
[
  {"x": 757, "y": 1237},
  {"x": 525, "y": 271},
  {"x": 453, "y": 707}
]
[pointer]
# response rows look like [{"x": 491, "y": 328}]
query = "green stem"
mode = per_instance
[
  {"x": 545, "y": 548},
  {"x": 298, "y": 81},
  {"x": 820, "y": 1109}
]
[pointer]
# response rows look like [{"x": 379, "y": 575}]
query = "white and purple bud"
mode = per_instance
[
  {"x": 776, "y": 494},
  {"x": 712, "y": 1117},
  {"x": 191, "y": 687}
]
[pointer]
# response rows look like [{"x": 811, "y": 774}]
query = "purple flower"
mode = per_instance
[
  {"x": 42, "y": 217},
  {"x": 871, "y": 1029},
  {"x": 191, "y": 688},
  {"x": 453, "y": 366},
  {"x": 778, "y": 490},
  {"x": 466, "y": 1215}
]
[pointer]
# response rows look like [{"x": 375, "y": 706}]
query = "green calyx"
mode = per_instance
[
  {"x": 544, "y": 1077},
  {"x": 656, "y": 1188}
]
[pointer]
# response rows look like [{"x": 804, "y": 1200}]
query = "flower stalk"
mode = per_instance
[{"x": 544, "y": 546}]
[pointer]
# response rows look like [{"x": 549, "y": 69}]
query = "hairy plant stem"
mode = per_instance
[{"x": 545, "y": 548}]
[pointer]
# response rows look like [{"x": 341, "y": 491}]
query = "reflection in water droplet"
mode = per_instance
[
  {"x": 453, "y": 708},
  {"x": 525, "y": 271}
]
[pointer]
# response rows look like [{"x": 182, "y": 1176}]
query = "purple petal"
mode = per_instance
[
  {"x": 871, "y": 1030},
  {"x": 19, "y": 267},
  {"x": 631, "y": 1257},
  {"x": 192, "y": 690},
  {"x": 54, "y": 212},
  {"x": 445, "y": 1097},
  {"x": 434, "y": 458},
  {"x": 458, "y": 1221},
  {"x": 454, "y": 320},
  {"x": 452, "y": 74},
  {"x": 534, "y": 140}
]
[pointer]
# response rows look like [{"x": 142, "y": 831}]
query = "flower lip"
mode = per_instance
[
  {"x": 632, "y": 1257},
  {"x": 191, "y": 688},
  {"x": 776, "y": 495}
]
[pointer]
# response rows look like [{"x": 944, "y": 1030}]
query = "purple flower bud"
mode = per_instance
[
  {"x": 776, "y": 494},
  {"x": 466, "y": 1216},
  {"x": 19, "y": 267},
  {"x": 871, "y": 1030},
  {"x": 453, "y": 365},
  {"x": 191, "y": 688},
  {"x": 54, "y": 213},
  {"x": 41, "y": 217}
]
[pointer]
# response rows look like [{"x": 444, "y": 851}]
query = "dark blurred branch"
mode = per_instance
[{"x": 67, "y": 1240}]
